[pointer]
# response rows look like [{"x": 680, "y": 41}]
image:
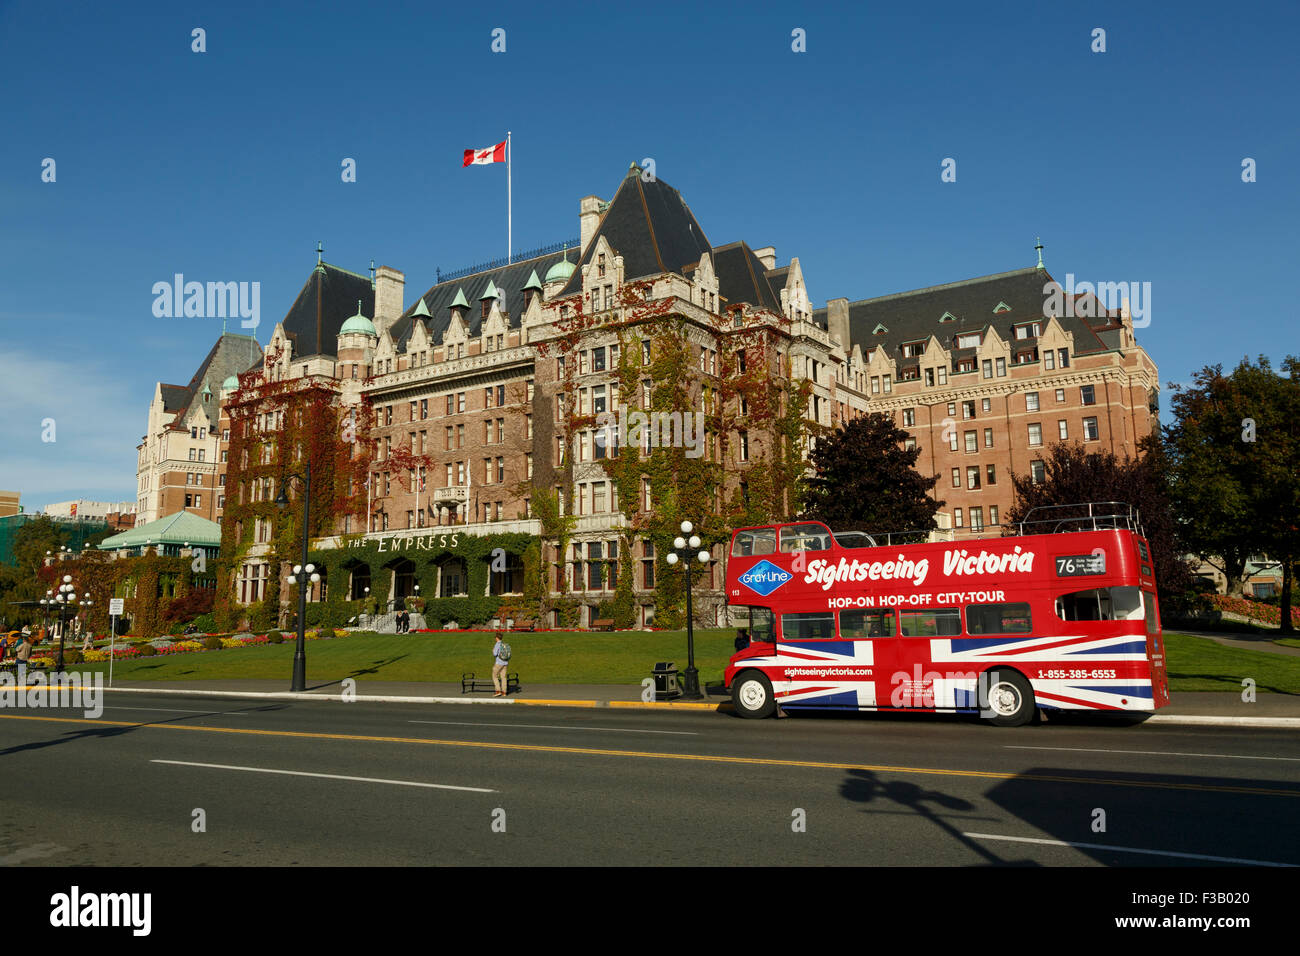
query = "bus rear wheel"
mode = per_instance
[
  {"x": 751, "y": 694},
  {"x": 1010, "y": 698}
]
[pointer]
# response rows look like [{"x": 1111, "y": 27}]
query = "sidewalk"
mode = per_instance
[{"x": 1209, "y": 708}]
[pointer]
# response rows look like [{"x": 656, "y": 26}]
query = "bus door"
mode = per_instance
[
  {"x": 873, "y": 634},
  {"x": 915, "y": 680}
]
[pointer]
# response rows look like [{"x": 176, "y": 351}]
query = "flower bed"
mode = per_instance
[{"x": 1254, "y": 610}]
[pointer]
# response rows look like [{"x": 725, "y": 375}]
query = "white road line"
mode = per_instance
[
  {"x": 327, "y": 776},
  {"x": 1122, "y": 849},
  {"x": 617, "y": 730},
  {"x": 1150, "y": 753},
  {"x": 180, "y": 710}
]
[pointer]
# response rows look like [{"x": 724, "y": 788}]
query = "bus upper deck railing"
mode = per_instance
[{"x": 1043, "y": 519}]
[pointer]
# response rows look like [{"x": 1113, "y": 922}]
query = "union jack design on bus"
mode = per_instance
[{"x": 1033, "y": 621}]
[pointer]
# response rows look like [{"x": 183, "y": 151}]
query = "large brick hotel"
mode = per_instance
[{"x": 480, "y": 396}]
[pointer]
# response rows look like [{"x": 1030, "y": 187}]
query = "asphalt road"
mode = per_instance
[{"x": 329, "y": 783}]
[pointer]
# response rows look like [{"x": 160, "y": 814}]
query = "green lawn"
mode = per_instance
[
  {"x": 581, "y": 657},
  {"x": 558, "y": 657},
  {"x": 1198, "y": 663},
  {"x": 1288, "y": 641}
]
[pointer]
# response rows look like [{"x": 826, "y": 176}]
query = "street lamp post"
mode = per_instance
[
  {"x": 685, "y": 551},
  {"x": 282, "y": 502},
  {"x": 64, "y": 602}
]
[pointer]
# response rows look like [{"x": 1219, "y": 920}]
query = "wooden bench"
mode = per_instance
[
  {"x": 469, "y": 684},
  {"x": 603, "y": 624}
]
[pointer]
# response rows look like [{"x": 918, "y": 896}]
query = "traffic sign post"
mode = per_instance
[{"x": 114, "y": 609}]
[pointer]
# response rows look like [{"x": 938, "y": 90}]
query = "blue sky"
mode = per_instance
[{"x": 225, "y": 165}]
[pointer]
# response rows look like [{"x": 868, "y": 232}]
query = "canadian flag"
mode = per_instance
[{"x": 489, "y": 154}]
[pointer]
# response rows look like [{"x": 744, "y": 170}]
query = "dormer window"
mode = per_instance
[
  {"x": 913, "y": 349},
  {"x": 487, "y": 307},
  {"x": 1000, "y": 308},
  {"x": 528, "y": 298},
  {"x": 968, "y": 341},
  {"x": 1030, "y": 330}
]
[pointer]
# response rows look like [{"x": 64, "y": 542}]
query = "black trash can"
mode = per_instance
[{"x": 665, "y": 677}]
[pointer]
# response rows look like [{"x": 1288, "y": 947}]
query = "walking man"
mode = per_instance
[{"x": 500, "y": 657}]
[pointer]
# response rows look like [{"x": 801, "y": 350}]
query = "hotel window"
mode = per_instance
[
  {"x": 1090, "y": 429},
  {"x": 192, "y": 458},
  {"x": 1088, "y": 394},
  {"x": 909, "y": 417},
  {"x": 448, "y": 485},
  {"x": 952, "y": 409},
  {"x": 501, "y": 430},
  {"x": 972, "y": 442},
  {"x": 645, "y": 351},
  {"x": 875, "y": 385},
  {"x": 956, "y": 477},
  {"x": 221, "y": 480},
  {"x": 598, "y": 399},
  {"x": 487, "y": 431},
  {"x": 559, "y": 406},
  {"x": 450, "y": 408},
  {"x": 1002, "y": 367},
  {"x": 943, "y": 375},
  {"x": 1063, "y": 429},
  {"x": 956, "y": 518},
  {"x": 1064, "y": 357},
  {"x": 528, "y": 464},
  {"x": 1060, "y": 394},
  {"x": 968, "y": 341},
  {"x": 598, "y": 359},
  {"x": 909, "y": 444},
  {"x": 487, "y": 397},
  {"x": 987, "y": 367},
  {"x": 528, "y": 426},
  {"x": 967, "y": 410},
  {"x": 582, "y": 362},
  {"x": 977, "y": 519},
  {"x": 598, "y": 498},
  {"x": 189, "y": 501},
  {"x": 887, "y": 384},
  {"x": 460, "y": 473},
  {"x": 221, "y": 501},
  {"x": 448, "y": 435},
  {"x": 986, "y": 405},
  {"x": 929, "y": 378},
  {"x": 501, "y": 396},
  {"x": 991, "y": 474},
  {"x": 559, "y": 450},
  {"x": 460, "y": 436},
  {"x": 952, "y": 440},
  {"x": 1036, "y": 472},
  {"x": 1031, "y": 401},
  {"x": 993, "y": 514},
  {"x": 648, "y": 564},
  {"x": 646, "y": 500},
  {"x": 966, "y": 365},
  {"x": 988, "y": 438},
  {"x": 460, "y": 401},
  {"x": 1048, "y": 363},
  {"x": 501, "y": 470},
  {"x": 744, "y": 446},
  {"x": 1035, "y": 435},
  {"x": 594, "y": 565},
  {"x": 414, "y": 406}
]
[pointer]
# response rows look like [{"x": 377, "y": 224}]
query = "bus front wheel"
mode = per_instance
[
  {"x": 751, "y": 693},
  {"x": 1010, "y": 699}
]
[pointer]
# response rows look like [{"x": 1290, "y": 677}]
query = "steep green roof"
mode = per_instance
[
  {"x": 533, "y": 282},
  {"x": 490, "y": 292},
  {"x": 459, "y": 302},
  {"x": 177, "y": 528},
  {"x": 420, "y": 308}
]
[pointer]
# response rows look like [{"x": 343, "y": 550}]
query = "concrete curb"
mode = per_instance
[
  {"x": 396, "y": 699},
  {"x": 1168, "y": 720}
]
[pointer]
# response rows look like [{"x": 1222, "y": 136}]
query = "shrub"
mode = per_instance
[
  {"x": 274, "y": 637},
  {"x": 204, "y": 624},
  {"x": 192, "y": 604},
  {"x": 212, "y": 643},
  {"x": 148, "y": 650},
  {"x": 72, "y": 656}
]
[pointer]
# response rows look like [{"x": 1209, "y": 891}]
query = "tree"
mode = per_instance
[
  {"x": 866, "y": 480},
  {"x": 1235, "y": 478},
  {"x": 1073, "y": 475}
]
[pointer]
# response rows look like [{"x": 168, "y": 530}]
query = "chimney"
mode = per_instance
[
  {"x": 767, "y": 256},
  {"x": 837, "y": 321},
  {"x": 588, "y": 219},
  {"x": 389, "y": 287}
]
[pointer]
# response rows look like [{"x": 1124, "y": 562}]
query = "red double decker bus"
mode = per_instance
[{"x": 1062, "y": 614}]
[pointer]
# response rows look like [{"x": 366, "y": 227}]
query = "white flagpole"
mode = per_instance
[{"x": 510, "y": 223}]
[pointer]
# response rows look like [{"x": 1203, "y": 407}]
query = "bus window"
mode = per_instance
[
  {"x": 1152, "y": 613},
  {"x": 1101, "y": 604},
  {"x": 859, "y": 624},
  {"x": 748, "y": 543},
  {"x": 805, "y": 537},
  {"x": 760, "y": 622},
  {"x": 815, "y": 626},
  {"x": 998, "y": 619},
  {"x": 936, "y": 622}
]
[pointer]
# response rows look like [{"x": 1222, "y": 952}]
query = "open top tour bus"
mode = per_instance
[{"x": 1060, "y": 615}]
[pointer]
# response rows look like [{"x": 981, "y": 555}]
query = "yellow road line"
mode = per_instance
[{"x": 701, "y": 758}]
